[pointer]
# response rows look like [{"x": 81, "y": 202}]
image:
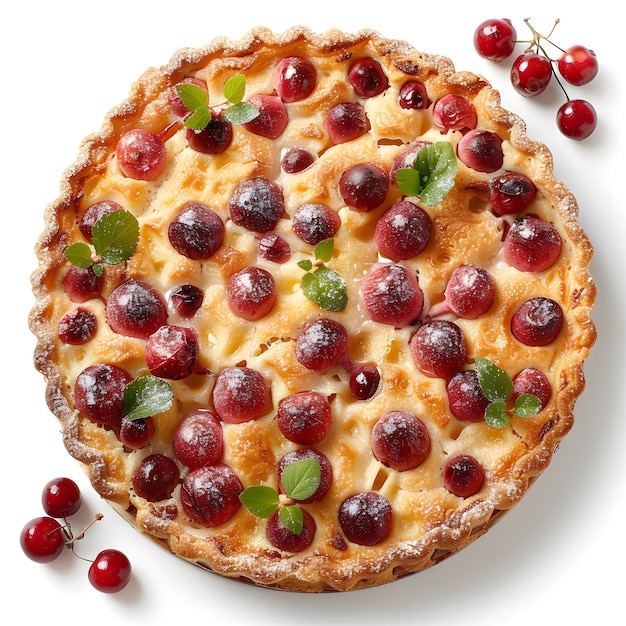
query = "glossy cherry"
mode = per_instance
[{"x": 110, "y": 571}]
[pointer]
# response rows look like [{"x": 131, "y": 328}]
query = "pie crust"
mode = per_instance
[{"x": 429, "y": 523}]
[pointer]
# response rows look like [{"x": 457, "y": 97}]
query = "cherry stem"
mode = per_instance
[
  {"x": 81, "y": 534},
  {"x": 536, "y": 42}
]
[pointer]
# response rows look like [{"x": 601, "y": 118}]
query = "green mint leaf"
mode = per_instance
[
  {"x": 235, "y": 88},
  {"x": 199, "y": 119},
  {"x": 260, "y": 500},
  {"x": 496, "y": 415},
  {"x": 115, "y": 236},
  {"x": 79, "y": 254},
  {"x": 196, "y": 100},
  {"x": 409, "y": 181},
  {"x": 146, "y": 396},
  {"x": 301, "y": 479},
  {"x": 326, "y": 288},
  {"x": 292, "y": 519},
  {"x": 98, "y": 269},
  {"x": 193, "y": 96},
  {"x": 305, "y": 264},
  {"x": 495, "y": 382},
  {"x": 241, "y": 113},
  {"x": 436, "y": 168},
  {"x": 324, "y": 250},
  {"x": 527, "y": 405}
]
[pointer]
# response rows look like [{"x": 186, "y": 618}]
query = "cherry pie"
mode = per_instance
[{"x": 312, "y": 309}]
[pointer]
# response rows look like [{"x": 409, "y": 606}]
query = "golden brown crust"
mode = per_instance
[{"x": 430, "y": 523}]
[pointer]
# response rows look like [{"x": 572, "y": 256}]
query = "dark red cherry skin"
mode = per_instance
[
  {"x": 537, "y": 322},
  {"x": 511, "y": 193},
  {"x": 156, "y": 477},
  {"x": 533, "y": 381},
  {"x": 295, "y": 78},
  {"x": 322, "y": 344},
  {"x": 326, "y": 471},
  {"x": 400, "y": 440},
  {"x": 93, "y": 214},
  {"x": 82, "y": 284},
  {"x": 78, "y": 327},
  {"x": 257, "y": 204},
  {"x": 413, "y": 95},
  {"x": 172, "y": 351},
  {"x": 469, "y": 293},
  {"x": 110, "y": 571},
  {"x": 439, "y": 349},
  {"x": 466, "y": 399},
  {"x": 481, "y": 150},
  {"x": 530, "y": 74},
  {"x": 405, "y": 159},
  {"x": 137, "y": 434},
  {"x": 345, "y": 121},
  {"x": 240, "y": 394},
  {"x": 463, "y": 476},
  {"x": 272, "y": 247},
  {"x": 314, "y": 222},
  {"x": 196, "y": 231},
  {"x": 392, "y": 295},
  {"x": 363, "y": 187},
  {"x": 577, "y": 119},
  {"x": 186, "y": 300},
  {"x": 304, "y": 417},
  {"x": 578, "y": 65},
  {"x": 251, "y": 293},
  {"x": 99, "y": 393},
  {"x": 61, "y": 497},
  {"x": 364, "y": 381},
  {"x": 42, "y": 539},
  {"x": 366, "y": 518},
  {"x": 367, "y": 78},
  {"x": 136, "y": 309},
  {"x": 532, "y": 244},
  {"x": 272, "y": 119},
  {"x": 141, "y": 155},
  {"x": 296, "y": 160},
  {"x": 402, "y": 231},
  {"x": 198, "y": 439},
  {"x": 214, "y": 138},
  {"x": 454, "y": 112},
  {"x": 283, "y": 539},
  {"x": 210, "y": 494},
  {"x": 495, "y": 39}
]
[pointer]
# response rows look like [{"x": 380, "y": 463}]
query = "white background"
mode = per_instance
[{"x": 558, "y": 556}]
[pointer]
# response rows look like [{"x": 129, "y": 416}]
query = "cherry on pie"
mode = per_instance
[{"x": 312, "y": 309}]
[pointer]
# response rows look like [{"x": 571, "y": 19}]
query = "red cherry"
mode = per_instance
[
  {"x": 61, "y": 497},
  {"x": 495, "y": 39},
  {"x": 530, "y": 74},
  {"x": 577, "y": 119},
  {"x": 578, "y": 65},
  {"x": 43, "y": 539},
  {"x": 110, "y": 571}
]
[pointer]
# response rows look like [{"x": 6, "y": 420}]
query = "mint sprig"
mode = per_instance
[
  {"x": 497, "y": 386},
  {"x": 323, "y": 285},
  {"x": 300, "y": 480},
  {"x": 196, "y": 100},
  {"x": 432, "y": 175},
  {"x": 114, "y": 238},
  {"x": 146, "y": 396}
]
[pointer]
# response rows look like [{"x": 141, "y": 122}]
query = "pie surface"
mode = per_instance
[{"x": 245, "y": 337}]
